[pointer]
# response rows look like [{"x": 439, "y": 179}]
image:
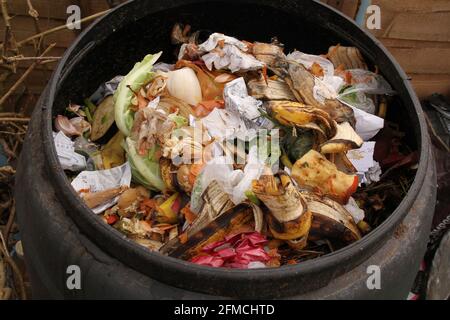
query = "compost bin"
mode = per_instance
[{"x": 59, "y": 230}]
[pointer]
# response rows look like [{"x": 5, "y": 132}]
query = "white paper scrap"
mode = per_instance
[
  {"x": 365, "y": 165},
  {"x": 68, "y": 158},
  {"x": 232, "y": 55},
  {"x": 101, "y": 180},
  {"x": 223, "y": 124},
  {"x": 356, "y": 212}
]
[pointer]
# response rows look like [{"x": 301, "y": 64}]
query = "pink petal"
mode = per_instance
[
  {"x": 226, "y": 253},
  {"x": 210, "y": 261},
  {"x": 212, "y": 246}
]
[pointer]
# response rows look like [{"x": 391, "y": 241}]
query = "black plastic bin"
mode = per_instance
[{"x": 58, "y": 230}]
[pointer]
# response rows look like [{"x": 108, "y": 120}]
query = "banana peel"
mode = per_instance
[
  {"x": 296, "y": 114},
  {"x": 270, "y": 90},
  {"x": 302, "y": 84},
  {"x": 103, "y": 118},
  {"x": 113, "y": 155},
  {"x": 344, "y": 140},
  {"x": 215, "y": 203},
  {"x": 289, "y": 217},
  {"x": 245, "y": 217},
  {"x": 330, "y": 220}
]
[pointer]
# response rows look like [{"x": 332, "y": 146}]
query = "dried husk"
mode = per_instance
[{"x": 266, "y": 52}]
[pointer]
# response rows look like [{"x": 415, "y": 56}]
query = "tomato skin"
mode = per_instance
[{"x": 111, "y": 219}]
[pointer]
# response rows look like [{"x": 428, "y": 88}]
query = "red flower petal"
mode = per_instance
[
  {"x": 210, "y": 261},
  {"x": 212, "y": 246}
]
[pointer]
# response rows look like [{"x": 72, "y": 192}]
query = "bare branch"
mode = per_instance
[
  {"x": 24, "y": 76},
  {"x": 62, "y": 27}
]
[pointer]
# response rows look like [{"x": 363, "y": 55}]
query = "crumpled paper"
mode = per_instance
[
  {"x": 102, "y": 180},
  {"x": 234, "y": 182},
  {"x": 356, "y": 212},
  {"x": 367, "y": 125},
  {"x": 224, "y": 124},
  {"x": 307, "y": 60},
  {"x": 238, "y": 251},
  {"x": 368, "y": 170},
  {"x": 232, "y": 55},
  {"x": 214, "y": 39},
  {"x": 238, "y": 100},
  {"x": 68, "y": 158}
]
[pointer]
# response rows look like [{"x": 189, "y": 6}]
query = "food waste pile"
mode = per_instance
[{"x": 239, "y": 154}]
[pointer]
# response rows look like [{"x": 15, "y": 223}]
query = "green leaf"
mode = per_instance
[{"x": 140, "y": 75}]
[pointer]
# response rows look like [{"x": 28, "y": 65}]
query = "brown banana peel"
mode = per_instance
[
  {"x": 289, "y": 217},
  {"x": 330, "y": 220}
]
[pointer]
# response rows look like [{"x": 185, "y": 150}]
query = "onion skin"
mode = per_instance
[{"x": 66, "y": 126}]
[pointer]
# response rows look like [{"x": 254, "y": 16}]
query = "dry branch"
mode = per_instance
[
  {"x": 24, "y": 76},
  {"x": 62, "y": 27}
]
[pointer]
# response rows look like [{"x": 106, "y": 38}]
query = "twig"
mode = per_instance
[
  {"x": 9, "y": 224},
  {"x": 18, "y": 275},
  {"x": 16, "y": 59},
  {"x": 6, "y": 149},
  {"x": 62, "y": 27},
  {"x": 15, "y": 119},
  {"x": 10, "y": 114},
  {"x": 35, "y": 15},
  {"x": 12, "y": 133},
  {"x": 9, "y": 43},
  {"x": 24, "y": 76}
]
